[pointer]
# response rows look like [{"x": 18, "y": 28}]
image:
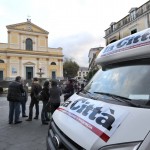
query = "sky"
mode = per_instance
[{"x": 75, "y": 25}]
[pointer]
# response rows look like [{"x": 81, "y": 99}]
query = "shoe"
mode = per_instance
[
  {"x": 17, "y": 122},
  {"x": 45, "y": 123},
  {"x": 29, "y": 119},
  {"x": 10, "y": 123},
  {"x": 36, "y": 117},
  {"x": 24, "y": 116}
]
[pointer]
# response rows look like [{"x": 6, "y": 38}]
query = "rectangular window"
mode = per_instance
[
  {"x": 133, "y": 15},
  {"x": 133, "y": 31}
]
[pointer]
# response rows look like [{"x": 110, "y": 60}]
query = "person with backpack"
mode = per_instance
[
  {"x": 45, "y": 94},
  {"x": 35, "y": 90}
]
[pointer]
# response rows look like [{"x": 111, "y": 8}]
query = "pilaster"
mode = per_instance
[{"x": 20, "y": 66}]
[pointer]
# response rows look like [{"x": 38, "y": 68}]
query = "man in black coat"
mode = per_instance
[
  {"x": 15, "y": 90},
  {"x": 69, "y": 90},
  {"x": 35, "y": 90}
]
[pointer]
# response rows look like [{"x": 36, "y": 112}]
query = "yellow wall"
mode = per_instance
[
  {"x": 22, "y": 27},
  {"x": 16, "y": 55},
  {"x": 14, "y": 38},
  {"x": 42, "y": 41}
]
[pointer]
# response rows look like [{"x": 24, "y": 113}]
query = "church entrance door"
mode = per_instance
[
  {"x": 1, "y": 75},
  {"x": 29, "y": 73}
]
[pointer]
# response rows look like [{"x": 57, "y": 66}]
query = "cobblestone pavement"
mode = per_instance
[{"x": 24, "y": 136}]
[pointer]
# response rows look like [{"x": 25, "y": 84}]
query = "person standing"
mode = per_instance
[
  {"x": 69, "y": 90},
  {"x": 35, "y": 89},
  {"x": 45, "y": 93},
  {"x": 24, "y": 99},
  {"x": 15, "y": 90},
  {"x": 55, "y": 94}
]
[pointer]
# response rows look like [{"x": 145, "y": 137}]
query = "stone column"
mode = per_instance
[
  {"x": 20, "y": 66},
  {"x": 38, "y": 65},
  {"x": 47, "y": 59},
  {"x": 60, "y": 67},
  {"x": 20, "y": 41},
  {"x": 37, "y": 43},
  {"x": 8, "y": 39},
  {"x": 8, "y": 67},
  {"x": 46, "y": 43}
]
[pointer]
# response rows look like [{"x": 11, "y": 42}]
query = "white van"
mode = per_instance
[{"x": 113, "y": 110}]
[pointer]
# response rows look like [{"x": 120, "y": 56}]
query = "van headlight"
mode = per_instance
[{"x": 122, "y": 146}]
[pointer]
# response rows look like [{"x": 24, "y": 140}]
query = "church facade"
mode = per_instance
[{"x": 27, "y": 54}]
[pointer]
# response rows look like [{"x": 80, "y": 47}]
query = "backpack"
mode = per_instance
[{"x": 39, "y": 96}]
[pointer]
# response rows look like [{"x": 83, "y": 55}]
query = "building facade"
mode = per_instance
[
  {"x": 82, "y": 73},
  {"x": 92, "y": 56},
  {"x": 27, "y": 54},
  {"x": 138, "y": 19}
]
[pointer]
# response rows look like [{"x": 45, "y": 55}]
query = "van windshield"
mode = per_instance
[{"x": 129, "y": 81}]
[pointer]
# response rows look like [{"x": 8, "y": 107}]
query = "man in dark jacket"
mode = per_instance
[
  {"x": 55, "y": 93},
  {"x": 15, "y": 90},
  {"x": 45, "y": 93},
  {"x": 69, "y": 90},
  {"x": 35, "y": 90}
]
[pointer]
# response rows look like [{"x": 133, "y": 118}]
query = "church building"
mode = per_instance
[{"x": 27, "y": 54}]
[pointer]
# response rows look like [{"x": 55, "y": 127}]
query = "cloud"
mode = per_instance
[
  {"x": 77, "y": 46},
  {"x": 75, "y": 25}
]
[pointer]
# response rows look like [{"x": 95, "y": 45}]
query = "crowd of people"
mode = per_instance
[
  {"x": 18, "y": 96},
  {"x": 49, "y": 93}
]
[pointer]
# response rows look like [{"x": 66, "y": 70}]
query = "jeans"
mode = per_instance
[
  {"x": 54, "y": 106},
  {"x": 44, "y": 115},
  {"x": 32, "y": 103},
  {"x": 14, "y": 109},
  {"x": 23, "y": 105}
]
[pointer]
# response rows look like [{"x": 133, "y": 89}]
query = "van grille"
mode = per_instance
[{"x": 57, "y": 140}]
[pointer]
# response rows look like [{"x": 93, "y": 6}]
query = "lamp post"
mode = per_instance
[{"x": 66, "y": 74}]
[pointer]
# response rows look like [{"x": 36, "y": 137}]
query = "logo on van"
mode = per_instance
[
  {"x": 137, "y": 40},
  {"x": 97, "y": 116}
]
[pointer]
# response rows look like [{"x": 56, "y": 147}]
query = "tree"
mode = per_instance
[
  {"x": 91, "y": 73},
  {"x": 70, "y": 68}
]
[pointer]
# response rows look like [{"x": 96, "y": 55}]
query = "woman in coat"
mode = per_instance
[
  {"x": 55, "y": 93},
  {"x": 69, "y": 90},
  {"x": 45, "y": 98}
]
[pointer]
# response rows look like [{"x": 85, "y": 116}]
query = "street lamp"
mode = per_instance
[{"x": 66, "y": 74}]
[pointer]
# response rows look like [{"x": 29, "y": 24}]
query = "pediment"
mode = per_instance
[
  {"x": 29, "y": 63},
  {"x": 27, "y": 26}
]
